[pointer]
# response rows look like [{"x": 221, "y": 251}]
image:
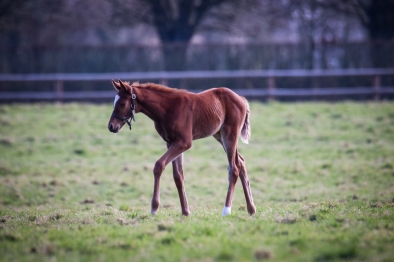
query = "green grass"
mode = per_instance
[{"x": 322, "y": 177}]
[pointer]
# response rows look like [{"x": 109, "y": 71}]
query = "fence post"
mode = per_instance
[
  {"x": 271, "y": 87},
  {"x": 376, "y": 86},
  {"x": 164, "y": 81},
  {"x": 59, "y": 90}
]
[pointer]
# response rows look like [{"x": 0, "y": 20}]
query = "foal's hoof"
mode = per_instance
[
  {"x": 226, "y": 211},
  {"x": 153, "y": 212},
  {"x": 252, "y": 210}
]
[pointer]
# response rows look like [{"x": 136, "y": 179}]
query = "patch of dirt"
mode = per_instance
[
  {"x": 164, "y": 227},
  {"x": 4, "y": 219},
  {"x": 88, "y": 201},
  {"x": 287, "y": 220},
  {"x": 6, "y": 142},
  {"x": 262, "y": 255}
]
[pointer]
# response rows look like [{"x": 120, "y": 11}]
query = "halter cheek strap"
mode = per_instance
[{"x": 130, "y": 114}]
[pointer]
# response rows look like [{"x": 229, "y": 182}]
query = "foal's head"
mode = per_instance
[{"x": 123, "y": 107}]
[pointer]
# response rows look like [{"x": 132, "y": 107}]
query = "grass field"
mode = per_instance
[{"x": 322, "y": 177}]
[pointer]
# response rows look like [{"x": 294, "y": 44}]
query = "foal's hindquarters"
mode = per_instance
[{"x": 226, "y": 117}]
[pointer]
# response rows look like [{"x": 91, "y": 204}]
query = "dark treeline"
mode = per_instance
[
  {"x": 140, "y": 58},
  {"x": 83, "y": 36}
]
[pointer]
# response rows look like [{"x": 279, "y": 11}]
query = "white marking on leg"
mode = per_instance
[
  {"x": 116, "y": 99},
  {"x": 153, "y": 212},
  {"x": 226, "y": 211}
]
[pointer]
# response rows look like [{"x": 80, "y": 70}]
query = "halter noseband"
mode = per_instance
[{"x": 130, "y": 113}]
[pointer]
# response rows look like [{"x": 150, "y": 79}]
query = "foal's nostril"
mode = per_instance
[{"x": 113, "y": 128}]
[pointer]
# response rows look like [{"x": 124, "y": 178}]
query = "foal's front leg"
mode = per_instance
[{"x": 175, "y": 149}]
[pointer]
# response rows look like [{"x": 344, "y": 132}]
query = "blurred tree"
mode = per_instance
[
  {"x": 311, "y": 18},
  {"x": 377, "y": 16},
  {"x": 379, "y": 19},
  {"x": 21, "y": 22},
  {"x": 51, "y": 21},
  {"x": 316, "y": 24},
  {"x": 176, "y": 21}
]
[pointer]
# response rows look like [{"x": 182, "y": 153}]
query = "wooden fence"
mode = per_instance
[{"x": 58, "y": 94}]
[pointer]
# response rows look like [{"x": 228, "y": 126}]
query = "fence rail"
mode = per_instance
[
  {"x": 197, "y": 74},
  {"x": 163, "y": 77},
  {"x": 249, "y": 93}
]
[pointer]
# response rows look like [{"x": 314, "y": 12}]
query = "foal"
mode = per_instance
[{"x": 181, "y": 117}]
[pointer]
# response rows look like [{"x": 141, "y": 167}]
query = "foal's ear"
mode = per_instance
[
  {"x": 126, "y": 87},
  {"x": 116, "y": 85}
]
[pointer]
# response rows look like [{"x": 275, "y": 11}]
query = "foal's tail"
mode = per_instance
[{"x": 245, "y": 131}]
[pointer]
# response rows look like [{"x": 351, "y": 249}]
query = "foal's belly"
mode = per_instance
[
  {"x": 208, "y": 121},
  {"x": 205, "y": 133}
]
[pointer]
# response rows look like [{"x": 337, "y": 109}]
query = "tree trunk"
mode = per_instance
[
  {"x": 380, "y": 26},
  {"x": 174, "y": 55}
]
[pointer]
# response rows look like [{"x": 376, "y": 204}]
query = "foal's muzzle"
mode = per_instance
[{"x": 113, "y": 128}]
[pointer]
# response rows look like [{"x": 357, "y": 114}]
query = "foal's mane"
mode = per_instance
[{"x": 156, "y": 87}]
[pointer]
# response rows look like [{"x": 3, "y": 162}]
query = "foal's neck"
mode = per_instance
[{"x": 152, "y": 103}]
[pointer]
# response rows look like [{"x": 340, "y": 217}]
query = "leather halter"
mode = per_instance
[{"x": 130, "y": 113}]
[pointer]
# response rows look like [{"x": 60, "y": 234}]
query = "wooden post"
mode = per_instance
[
  {"x": 164, "y": 82},
  {"x": 59, "y": 91},
  {"x": 271, "y": 87},
  {"x": 376, "y": 86}
]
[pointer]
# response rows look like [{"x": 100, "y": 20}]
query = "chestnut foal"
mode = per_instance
[{"x": 181, "y": 117}]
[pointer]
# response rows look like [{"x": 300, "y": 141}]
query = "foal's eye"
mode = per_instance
[{"x": 122, "y": 105}]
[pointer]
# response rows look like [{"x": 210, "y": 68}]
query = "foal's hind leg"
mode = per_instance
[
  {"x": 240, "y": 163},
  {"x": 229, "y": 142},
  {"x": 246, "y": 185},
  {"x": 178, "y": 179}
]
